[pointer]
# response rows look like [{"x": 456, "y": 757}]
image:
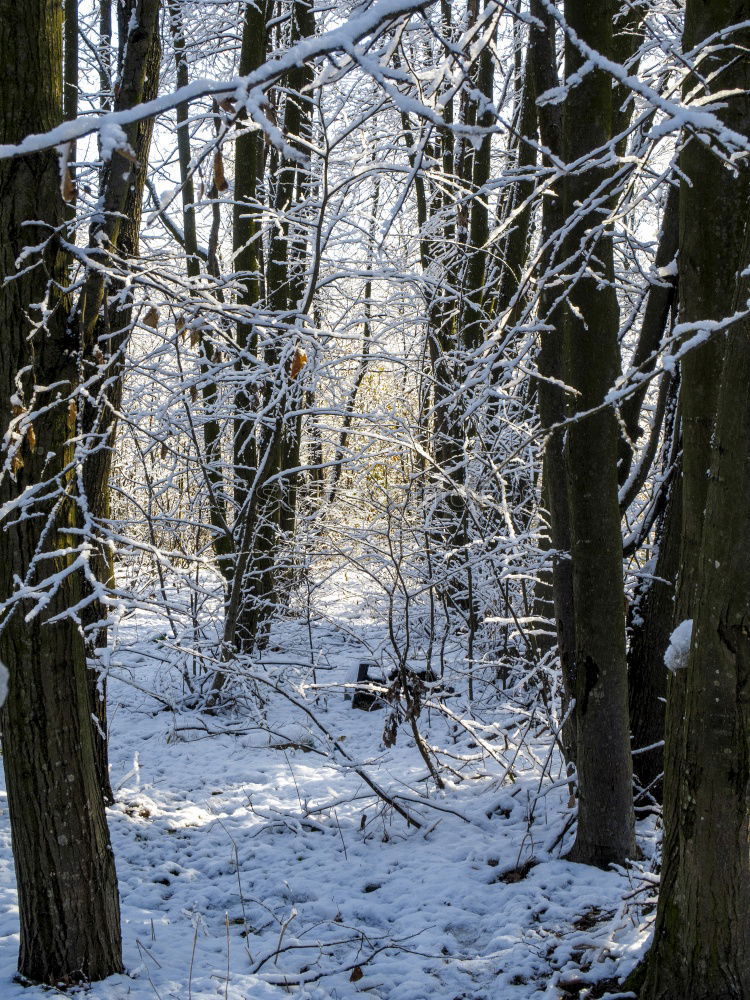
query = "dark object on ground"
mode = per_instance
[{"x": 364, "y": 699}]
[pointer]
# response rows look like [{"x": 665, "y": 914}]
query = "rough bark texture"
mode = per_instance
[
  {"x": 605, "y": 831},
  {"x": 701, "y": 947},
  {"x": 245, "y": 600},
  {"x": 69, "y": 909}
]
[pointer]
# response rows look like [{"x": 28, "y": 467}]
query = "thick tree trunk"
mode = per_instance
[
  {"x": 69, "y": 909},
  {"x": 701, "y": 947},
  {"x": 605, "y": 815}
]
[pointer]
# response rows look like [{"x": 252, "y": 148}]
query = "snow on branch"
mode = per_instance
[{"x": 344, "y": 38}]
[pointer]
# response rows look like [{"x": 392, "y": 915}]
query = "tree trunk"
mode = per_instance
[
  {"x": 701, "y": 944},
  {"x": 550, "y": 395},
  {"x": 605, "y": 814},
  {"x": 103, "y": 353},
  {"x": 652, "y": 615},
  {"x": 69, "y": 909},
  {"x": 241, "y": 617}
]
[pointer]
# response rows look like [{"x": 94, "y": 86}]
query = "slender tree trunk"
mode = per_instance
[
  {"x": 69, "y": 909},
  {"x": 550, "y": 394},
  {"x": 242, "y": 613},
  {"x": 103, "y": 351},
  {"x": 652, "y": 617},
  {"x": 659, "y": 303},
  {"x": 215, "y": 481},
  {"x": 606, "y": 830}
]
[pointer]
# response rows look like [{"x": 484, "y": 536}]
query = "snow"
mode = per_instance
[
  {"x": 112, "y": 138},
  {"x": 254, "y": 862},
  {"x": 678, "y": 650},
  {"x": 342, "y": 38}
]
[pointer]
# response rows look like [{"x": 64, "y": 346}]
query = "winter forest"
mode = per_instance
[{"x": 374, "y": 518}]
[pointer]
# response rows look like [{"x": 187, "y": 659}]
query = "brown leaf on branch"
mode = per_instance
[
  {"x": 298, "y": 362},
  {"x": 67, "y": 187},
  {"x": 219, "y": 178},
  {"x": 72, "y": 416},
  {"x": 152, "y": 317}
]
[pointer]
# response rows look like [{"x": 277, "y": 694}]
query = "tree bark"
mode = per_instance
[
  {"x": 606, "y": 830},
  {"x": 701, "y": 946},
  {"x": 652, "y": 616},
  {"x": 69, "y": 909},
  {"x": 550, "y": 394}
]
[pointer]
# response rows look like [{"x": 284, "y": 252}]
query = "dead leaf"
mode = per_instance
[
  {"x": 67, "y": 187},
  {"x": 298, "y": 362},
  {"x": 356, "y": 975},
  {"x": 31, "y": 438},
  {"x": 152, "y": 317},
  {"x": 219, "y": 179}
]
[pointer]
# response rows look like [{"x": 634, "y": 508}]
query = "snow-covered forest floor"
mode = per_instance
[{"x": 257, "y": 863}]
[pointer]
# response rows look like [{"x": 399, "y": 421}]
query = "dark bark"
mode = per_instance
[
  {"x": 652, "y": 620},
  {"x": 701, "y": 944},
  {"x": 605, "y": 830},
  {"x": 69, "y": 909},
  {"x": 242, "y": 615},
  {"x": 550, "y": 394}
]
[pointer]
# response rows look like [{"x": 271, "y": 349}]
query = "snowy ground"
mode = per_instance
[{"x": 255, "y": 865}]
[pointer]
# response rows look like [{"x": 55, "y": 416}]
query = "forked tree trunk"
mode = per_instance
[{"x": 69, "y": 909}]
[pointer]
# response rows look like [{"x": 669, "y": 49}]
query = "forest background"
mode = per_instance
[{"x": 446, "y": 303}]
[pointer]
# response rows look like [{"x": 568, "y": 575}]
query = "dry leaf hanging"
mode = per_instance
[
  {"x": 298, "y": 362},
  {"x": 152, "y": 317},
  {"x": 219, "y": 179}
]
